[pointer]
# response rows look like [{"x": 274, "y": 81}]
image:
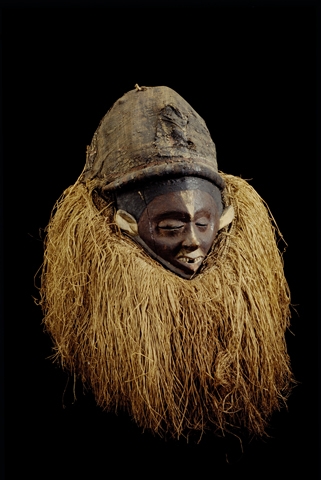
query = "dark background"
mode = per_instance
[{"x": 250, "y": 73}]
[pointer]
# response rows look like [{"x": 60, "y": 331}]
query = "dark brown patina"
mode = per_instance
[{"x": 180, "y": 227}]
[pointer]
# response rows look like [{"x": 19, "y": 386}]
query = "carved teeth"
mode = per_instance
[{"x": 191, "y": 260}]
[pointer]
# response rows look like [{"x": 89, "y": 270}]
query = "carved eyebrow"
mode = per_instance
[
  {"x": 176, "y": 214},
  {"x": 204, "y": 211}
]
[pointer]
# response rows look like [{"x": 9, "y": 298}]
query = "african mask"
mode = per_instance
[{"x": 162, "y": 285}]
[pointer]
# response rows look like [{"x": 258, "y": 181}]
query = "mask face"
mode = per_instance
[{"x": 180, "y": 227}]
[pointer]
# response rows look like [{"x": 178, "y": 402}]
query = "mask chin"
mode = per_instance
[
  {"x": 161, "y": 260},
  {"x": 127, "y": 223}
]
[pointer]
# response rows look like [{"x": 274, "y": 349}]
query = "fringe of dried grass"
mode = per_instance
[{"x": 178, "y": 355}]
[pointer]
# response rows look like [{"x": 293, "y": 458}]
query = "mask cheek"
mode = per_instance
[{"x": 165, "y": 248}]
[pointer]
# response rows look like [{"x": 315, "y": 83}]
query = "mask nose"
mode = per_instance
[{"x": 191, "y": 240}]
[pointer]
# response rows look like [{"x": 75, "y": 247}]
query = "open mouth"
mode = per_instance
[{"x": 189, "y": 260}]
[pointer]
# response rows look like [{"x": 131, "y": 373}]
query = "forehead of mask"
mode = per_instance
[{"x": 134, "y": 201}]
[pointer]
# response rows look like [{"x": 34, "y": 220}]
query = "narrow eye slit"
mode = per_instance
[
  {"x": 170, "y": 225},
  {"x": 199, "y": 224},
  {"x": 202, "y": 222}
]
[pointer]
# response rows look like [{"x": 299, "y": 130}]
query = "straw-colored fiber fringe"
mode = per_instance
[{"x": 178, "y": 355}]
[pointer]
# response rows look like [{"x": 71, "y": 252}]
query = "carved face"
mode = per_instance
[{"x": 180, "y": 227}]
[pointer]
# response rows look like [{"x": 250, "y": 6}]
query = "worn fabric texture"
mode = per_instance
[
  {"x": 178, "y": 355},
  {"x": 150, "y": 134}
]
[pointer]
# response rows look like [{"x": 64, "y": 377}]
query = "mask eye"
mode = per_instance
[
  {"x": 170, "y": 225},
  {"x": 202, "y": 222}
]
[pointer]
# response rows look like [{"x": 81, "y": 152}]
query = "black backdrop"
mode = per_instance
[{"x": 250, "y": 73}]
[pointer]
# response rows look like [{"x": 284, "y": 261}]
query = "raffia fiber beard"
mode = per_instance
[{"x": 178, "y": 355}]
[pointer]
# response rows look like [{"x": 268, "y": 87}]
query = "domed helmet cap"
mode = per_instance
[{"x": 150, "y": 133}]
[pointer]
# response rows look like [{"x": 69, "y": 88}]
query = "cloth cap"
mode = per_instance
[{"x": 150, "y": 134}]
